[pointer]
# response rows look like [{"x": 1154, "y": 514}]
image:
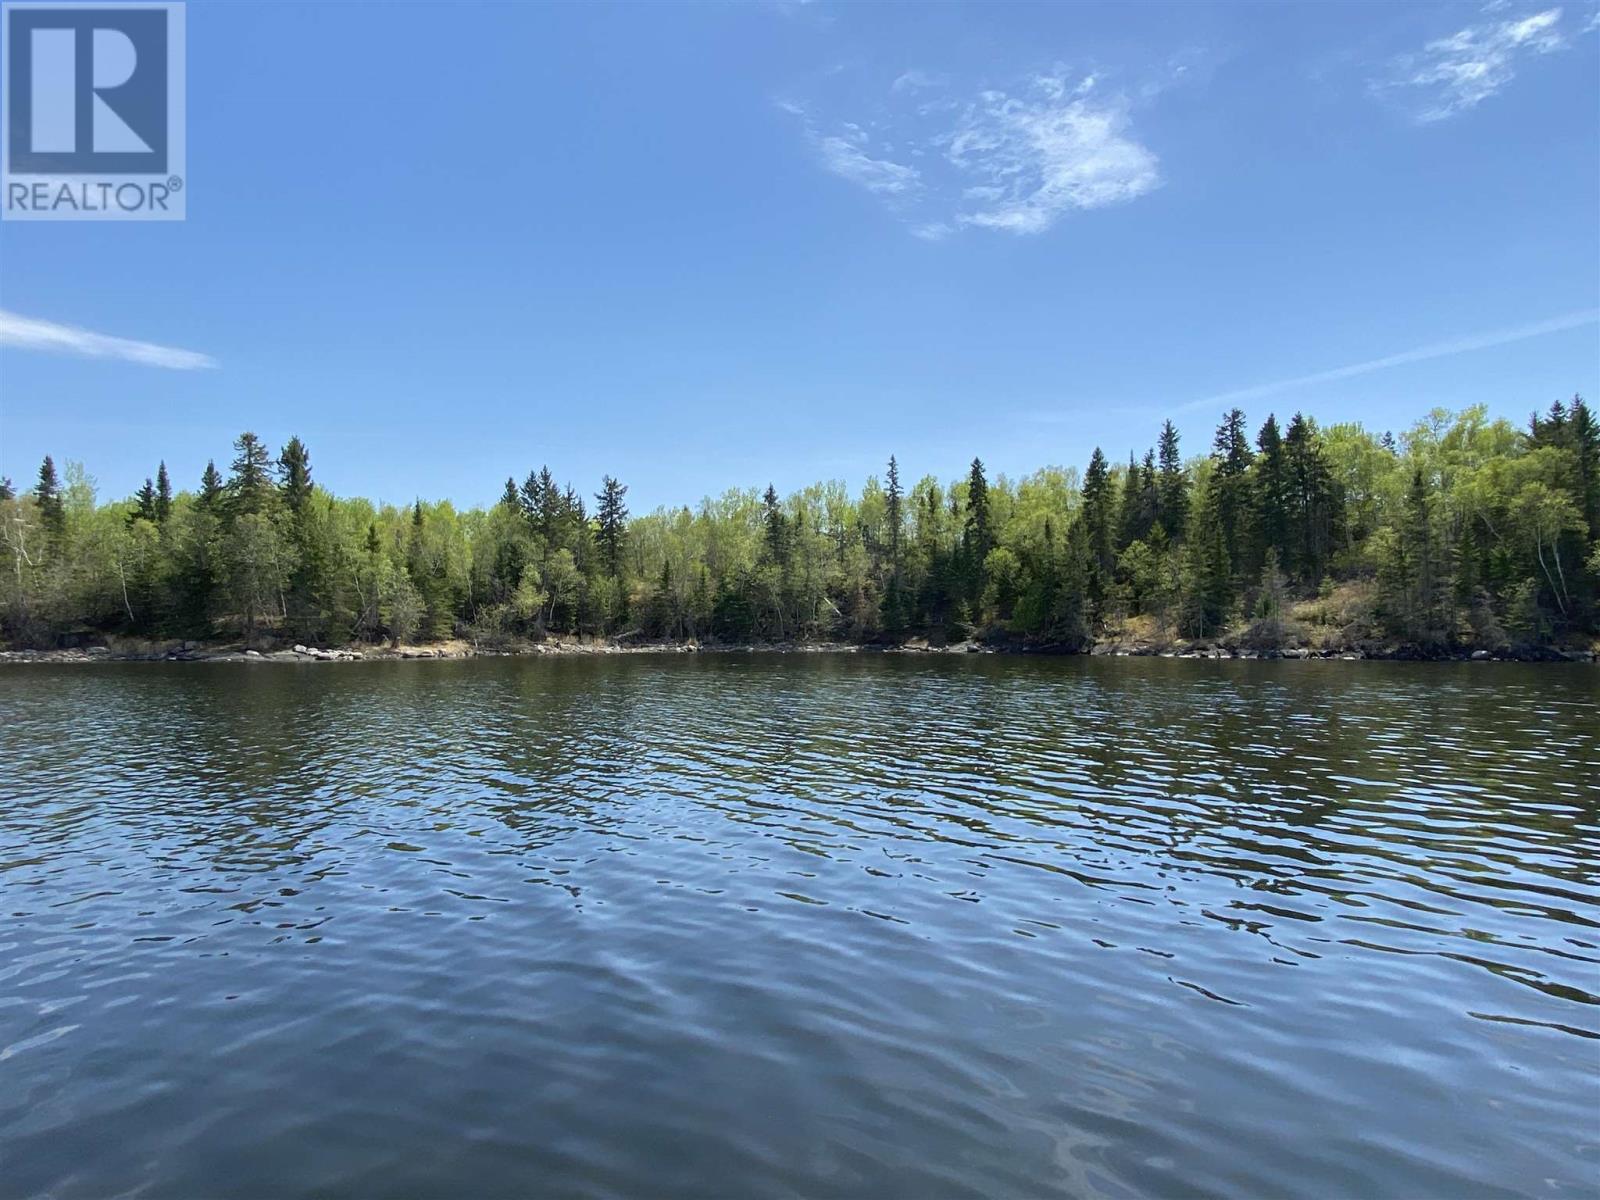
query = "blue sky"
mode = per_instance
[{"x": 723, "y": 244}]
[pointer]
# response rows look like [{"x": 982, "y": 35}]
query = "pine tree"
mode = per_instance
[
  {"x": 311, "y": 593},
  {"x": 894, "y": 515},
  {"x": 163, "y": 494},
  {"x": 1172, "y": 486},
  {"x": 212, "y": 489},
  {"x": 1314, "y": 505},
  {"x": 528, "y": 498},
  {"x": 611, "y": 514},
  {"x": 1584, "y": 438},
  {"x": 1071, "y": 621},
  {"x": 892, "y": 607},
  {"x": 8, "y": 490},
  {"x": 294, "y": 470},
  {"x": 977, "y": 538},
  {"x": 1413, "y": 591},
  {"x": 1206, "y": 572},
  {"x": 1141, "y": 502},
  {"x": 144, "y": 506},
  {"x": 250, "y": 487},
  {"x": 776, "y": 529},
  {"x": 1097, "y": 534},
  {"x": 547, "y": 507},
  {"x": 1270, "y": 500},
  {"x": 1229, "y": 482},
  {"x": 52, "y": 508},
  {"x": 509, "y": 498}
]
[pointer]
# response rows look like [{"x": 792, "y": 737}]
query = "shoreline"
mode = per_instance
[{"x": 195, "y": 651}]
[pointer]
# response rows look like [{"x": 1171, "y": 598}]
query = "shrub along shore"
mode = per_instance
[{"x": 1458, "y": 537}]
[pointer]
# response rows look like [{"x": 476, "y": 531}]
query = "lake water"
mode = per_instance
[{"x": 799, "y": 926}]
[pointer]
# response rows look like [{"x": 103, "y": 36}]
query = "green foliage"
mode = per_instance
[{"x": 1463, "y": 531}]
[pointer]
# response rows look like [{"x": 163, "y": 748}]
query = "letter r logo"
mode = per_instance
[{"x": 86, "y": 89}]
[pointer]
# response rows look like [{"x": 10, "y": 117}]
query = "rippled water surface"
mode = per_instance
[{"x": 799, "y": 926}]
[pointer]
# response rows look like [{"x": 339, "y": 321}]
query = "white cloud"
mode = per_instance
[
  {"x": 1015, "y": 163},
  {"x": 914, "y": 81},
  {"x": 26, "y": 333},
  {"x": 845, "y": 156},
  {"x": 1036, "y": 160},
  {"x": 1459, "y": 72}
]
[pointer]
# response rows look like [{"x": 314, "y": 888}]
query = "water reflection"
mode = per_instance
[{"x": 820, "y": 925}]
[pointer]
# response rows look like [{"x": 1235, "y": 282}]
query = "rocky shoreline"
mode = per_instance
[{"x": 191, "y": 651}]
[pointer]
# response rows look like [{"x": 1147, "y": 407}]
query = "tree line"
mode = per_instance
[{"x": 1462, "y": 531}]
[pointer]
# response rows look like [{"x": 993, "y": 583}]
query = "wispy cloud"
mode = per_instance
[
  {"x": 845, "y": 155},
  {"x": 1460, "y": 345},
  {"x": 915, "y": 80},
  {"x": 1036, "y": 158},
  {"x": 27, "y": 333},
  {"x": 1456, "y": 73},
  {"x": 1015, "y": 161}
]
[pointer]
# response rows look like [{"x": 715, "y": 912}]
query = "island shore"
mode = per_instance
[{"x": 114, "y": 649}]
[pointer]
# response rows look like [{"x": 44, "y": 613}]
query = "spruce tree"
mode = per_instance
[
  {"x": 250, "y": 486},
  {"x": 893, "y": 605},
  {"x": 1229, "y": 483},
  {"x": 8, "y": 490},
  {"x": 509, "y": 498},
  {"x": 144, "y": 503},
  {"x": 211, "y": 487},
  {"x": 294, "y": 472},
  {"x": 311, "y": 593},
  {"x": 1270, "y": 500},
  {"x": 1206, "y": 572},
  {"x": 611, "y": 514},
  {"x": 528, "y": 498},
  {"x": 1097, "y": 534},
  {"x": 1314, "y": 502},
  {"x": 1584, "y": 438},
  {"x": 977, "y": 537},
  {"x": 52, "y": 507},
  {"x": 163, "y": 494},
  {"x": 1172, "y": 486}
]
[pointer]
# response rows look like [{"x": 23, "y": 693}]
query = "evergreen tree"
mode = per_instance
[
  {"x": 1270, "y": 496},
  {"x": 249, "y": 488},
  {"x": 1100, "y": 550},
  {"x": 52, "y": 508},
  {"x": 294, "y": 470},
  {"x": 611, "y": 514},
  {"x": 977, "y": 536},
  {"x": 894, "y": 603},
  {"x": 509, "y": 498},
  {"x": 1412, "y": 589},
  {"x": 1141, "y": 502},
  {"x": 311, "y": 593},
  {"x": 212, "y": 489},
  {"x": 144, "y": 503},
  {"x": 8, "y": 490},
  {"x": 163, "y": 494},
  {"x": 1206, "y": 572},
  {"x": 1229, "y": 480},
  {"x": 1313, "y": 502},
  {"x": 1584, "y": 439},
  {"x": 1172, "y": 486},
  {"x": 530, "y": 498}
]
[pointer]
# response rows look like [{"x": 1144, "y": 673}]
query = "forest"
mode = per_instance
[{"x": 1458, "y": 532}]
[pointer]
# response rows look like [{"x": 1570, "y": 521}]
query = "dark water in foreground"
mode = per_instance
[{"x": 799, "y": 926}]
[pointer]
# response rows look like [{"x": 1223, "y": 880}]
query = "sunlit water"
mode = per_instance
[{"x": 764, "y": 926}]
